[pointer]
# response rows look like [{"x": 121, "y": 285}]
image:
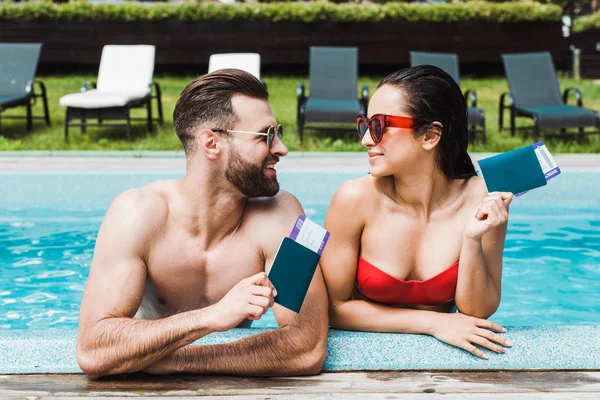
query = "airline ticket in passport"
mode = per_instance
[
  {"x": 549, "y": 166},
  {"x": 519, "y": 170},
  {"x": 296, "y": 261},
  {"x": 309, "y": 234}
]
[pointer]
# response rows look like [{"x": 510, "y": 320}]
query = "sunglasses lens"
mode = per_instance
[
  {"x": 361, "y": 127},
  {"x": 270, "y": 136},
  {"x": 274, "y": 130},
  {"x": 376, "y": 130}
]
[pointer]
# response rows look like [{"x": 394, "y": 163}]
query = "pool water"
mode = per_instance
[{"x": 49, "y": 222}]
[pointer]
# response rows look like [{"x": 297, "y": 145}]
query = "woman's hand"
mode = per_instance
[
  {"x": 465, "y": 332},
  {"x": 491, "y": 213}
]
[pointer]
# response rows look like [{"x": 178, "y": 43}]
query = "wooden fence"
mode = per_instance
[{"x": 283, "y": 45}]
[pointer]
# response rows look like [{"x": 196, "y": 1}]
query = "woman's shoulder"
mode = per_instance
[
  {"x": 346, "y": 210},
  {"x": 475, "y": 188},
  {"x": 355, "y": 189}
]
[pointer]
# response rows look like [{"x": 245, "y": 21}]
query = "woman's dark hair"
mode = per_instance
[{"x": 432, "y": 95}]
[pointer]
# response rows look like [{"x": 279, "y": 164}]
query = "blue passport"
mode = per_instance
[
  {"x": 292, "y": 272},
  {"x": 516, "y": 171}
]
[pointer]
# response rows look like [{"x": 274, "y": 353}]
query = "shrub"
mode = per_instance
[
  {"x": 587, "y": 23},
  {"x": 310, "y": 12}
]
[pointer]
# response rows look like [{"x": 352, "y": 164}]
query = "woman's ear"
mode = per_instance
[{"x": 433, "y": 135}]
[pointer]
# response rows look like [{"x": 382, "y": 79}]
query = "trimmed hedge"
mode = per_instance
[
  {"x": 312, "y": 12},
  {"x": 587, "y": 23}
]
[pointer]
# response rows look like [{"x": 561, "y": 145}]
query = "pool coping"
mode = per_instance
[
  {"x": 554, "y": 347},
  {"x": 175, "y": 161}
]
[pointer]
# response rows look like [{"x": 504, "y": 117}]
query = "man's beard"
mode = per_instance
[{"x": 249, "y": 179}]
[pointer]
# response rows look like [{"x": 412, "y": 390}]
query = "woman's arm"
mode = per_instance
[{"x": 478, "y": 290}]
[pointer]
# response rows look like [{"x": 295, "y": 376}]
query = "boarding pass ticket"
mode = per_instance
[
  {"x": 309, "y": 234},
  {"x": 549, "y": 166}
]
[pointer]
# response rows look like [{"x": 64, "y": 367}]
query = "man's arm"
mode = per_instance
[
  {"x": 298, "y": 348},
  {"x": 110, "y": 341}
]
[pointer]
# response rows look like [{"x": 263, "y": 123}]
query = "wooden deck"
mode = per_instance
[{"x": 343, "y": 385}]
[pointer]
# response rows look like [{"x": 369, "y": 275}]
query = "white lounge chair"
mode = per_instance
[
  {"x": 249, "y": 62},
  {"x": 124, "y": 82}
]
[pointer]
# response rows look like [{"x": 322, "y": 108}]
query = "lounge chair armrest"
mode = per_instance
[
  {"x": 365, "y": 98},
  {"x": 40, "y": 84},
  {"x": 156, "y": 87},
  {"x": 578, "y": 96},
  {"x": 502, "y": 107},
  {"x": 29, "y": 86},
  {"x": 471, "y": 97},
  {"x": 300, "y": 94},
  {"x": 158, "y": 97},
  {"x": 87, "y": 85},
  {"x": 42, "y": 89},
  {"x": 503, "y": 97}
]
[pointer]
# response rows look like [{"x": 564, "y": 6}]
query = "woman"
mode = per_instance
[{"x": 420, "y": 235}]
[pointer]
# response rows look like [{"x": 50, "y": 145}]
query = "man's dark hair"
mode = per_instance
[{"x": 206, "y": 102}]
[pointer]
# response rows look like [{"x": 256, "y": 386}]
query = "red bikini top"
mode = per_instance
[{"x": 382, "y": 287}]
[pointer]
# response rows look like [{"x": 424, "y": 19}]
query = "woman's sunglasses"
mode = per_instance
[{"x": 378, "y": 122}]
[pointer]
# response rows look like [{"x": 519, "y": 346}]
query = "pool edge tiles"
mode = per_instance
[{"x": 561, "y": 347}]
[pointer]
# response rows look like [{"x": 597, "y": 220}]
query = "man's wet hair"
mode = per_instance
[{"x": 205, "y": 103}]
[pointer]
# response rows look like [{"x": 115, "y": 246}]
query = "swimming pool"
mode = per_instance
[{"x": 48, "y": 224}]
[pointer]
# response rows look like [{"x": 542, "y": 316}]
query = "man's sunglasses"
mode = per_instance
[
  {"x": 378, "y": 122},
  {"x": 270, "y": 134}
]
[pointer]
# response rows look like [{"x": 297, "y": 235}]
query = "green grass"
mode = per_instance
[{"x": 13, "y": 135}]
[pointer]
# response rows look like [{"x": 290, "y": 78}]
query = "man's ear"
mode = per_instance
[
  {"x": 432, "y": 137},
  {"x": 208, "y": 142}
]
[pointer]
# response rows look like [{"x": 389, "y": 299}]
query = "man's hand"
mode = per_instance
[{"x": 249, "y": 299}]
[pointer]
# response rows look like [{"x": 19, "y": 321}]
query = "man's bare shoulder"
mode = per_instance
[
  {"x": 143, "y": 209},
  {"x": 134, "y": 219},
  {"x": 283, "y": 203},
  {"x": 274, "y": 216}
]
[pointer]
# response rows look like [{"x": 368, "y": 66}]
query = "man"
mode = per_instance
[{"x": 177, "y": 260}]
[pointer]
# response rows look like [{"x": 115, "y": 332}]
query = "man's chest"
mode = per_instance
[{"x": 182, "y": 276}]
